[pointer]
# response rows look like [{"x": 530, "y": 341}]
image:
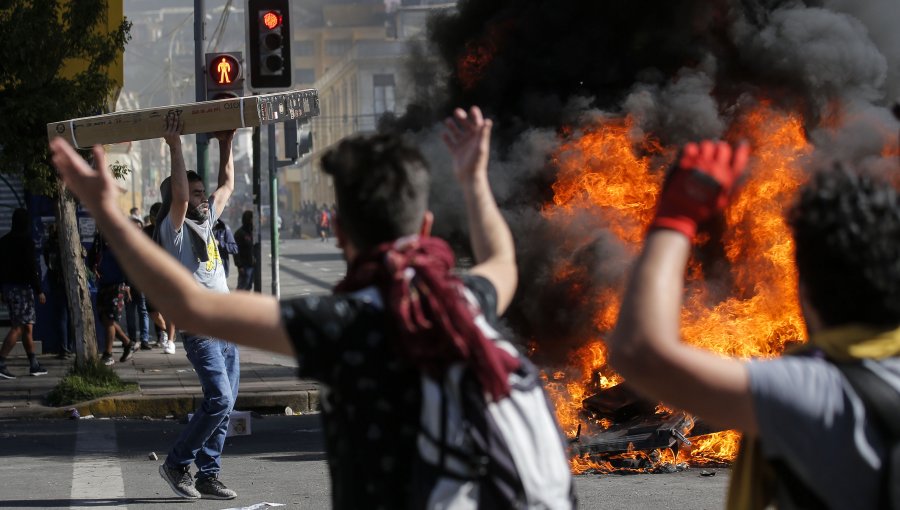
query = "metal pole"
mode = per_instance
[
  {"x": 273, "y": 209},
  {"x": 257, "y": 201},
  {"x": 199, "y": 87}
]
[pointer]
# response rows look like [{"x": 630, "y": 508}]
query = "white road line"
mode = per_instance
[{"x": 97, "y": 475}]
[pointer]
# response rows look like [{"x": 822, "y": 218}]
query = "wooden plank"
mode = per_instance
[{"x": 200, "y": 117}]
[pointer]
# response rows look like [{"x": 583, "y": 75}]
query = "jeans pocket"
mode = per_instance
[{"x": 196, "y": 344}]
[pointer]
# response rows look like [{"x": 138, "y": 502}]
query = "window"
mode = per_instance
[
  {"x": 383, "y": 92},
  {"x": 337, "y": 47},
  {"x": 304, "y": 48},
  {"x": 304, "y": 75}
]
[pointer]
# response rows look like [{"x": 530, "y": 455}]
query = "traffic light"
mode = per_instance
[
  {"x": 224, "y": 75},
  {"x": 269, "y": 45},
  {"x": 297, "y": 138}
]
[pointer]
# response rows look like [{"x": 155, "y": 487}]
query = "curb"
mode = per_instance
[{"x": 169, "y": 406}]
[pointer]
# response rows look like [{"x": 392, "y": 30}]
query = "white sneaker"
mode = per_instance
[
  {"x": 162, "y": 340},
  {"x": 170, "y": 347}
]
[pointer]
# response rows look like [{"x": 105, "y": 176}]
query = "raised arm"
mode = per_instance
[
  {"x": 178, "y": 179},
  {"x": 242, "y": 317},
  {"x": 468, "y": 136},
  {"x": 646, "y": 347},
  {"x": 222, "y": 194}
]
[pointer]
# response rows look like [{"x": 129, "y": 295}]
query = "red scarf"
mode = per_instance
[{"x": 432, "y": 319}]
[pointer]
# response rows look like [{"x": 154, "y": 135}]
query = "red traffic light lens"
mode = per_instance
[{"x": 271, "y": 19}]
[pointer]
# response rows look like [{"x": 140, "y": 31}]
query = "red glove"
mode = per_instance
[{"x": 699, "y": 186}]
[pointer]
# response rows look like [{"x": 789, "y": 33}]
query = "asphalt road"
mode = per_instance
[{"x": 105, "y": 464}]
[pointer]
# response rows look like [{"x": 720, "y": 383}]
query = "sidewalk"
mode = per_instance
[
  {"x": 168, "y": 387},
  {"x": 168, "y": 384}
]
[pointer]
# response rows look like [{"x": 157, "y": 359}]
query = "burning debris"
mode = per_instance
[{"x": 591, "y": 101}]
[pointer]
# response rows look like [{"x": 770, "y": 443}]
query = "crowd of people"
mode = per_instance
[{"x": 403, "y": 327}]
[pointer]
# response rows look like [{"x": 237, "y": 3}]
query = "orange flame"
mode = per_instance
[{"x": 617, "y": 177}]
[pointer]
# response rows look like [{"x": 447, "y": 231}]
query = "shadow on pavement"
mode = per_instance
[{"x": 100, "y": 502}]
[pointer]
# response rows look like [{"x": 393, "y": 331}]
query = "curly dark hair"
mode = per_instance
[
  {"x": 846, "y": 227},
  {"x": 381, "y": 185}
]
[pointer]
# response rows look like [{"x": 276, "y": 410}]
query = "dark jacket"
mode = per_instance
[
  {"x": 244, "y": 239},
  {"x": 18, "y": 264}
]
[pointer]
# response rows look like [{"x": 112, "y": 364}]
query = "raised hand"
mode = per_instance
[
  {"x": 174, "y": 128},
  {"x": 224, "y": 136},
  {"x": 94, "y": 188},
  {"x": 700, "y": 185},
  {"x": 468, "y": 136}
]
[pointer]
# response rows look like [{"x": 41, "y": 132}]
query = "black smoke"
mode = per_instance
[{"x": 683, "y": 69}]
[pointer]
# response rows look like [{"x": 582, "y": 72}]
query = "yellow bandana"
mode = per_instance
[{"x": 752, "y": 478}]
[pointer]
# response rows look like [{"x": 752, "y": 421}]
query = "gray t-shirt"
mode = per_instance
[
  {"x": 211, "y": 273},
  {"x": 811, "y": 418}
]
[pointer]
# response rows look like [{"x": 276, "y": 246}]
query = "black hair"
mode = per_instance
[
  {"x": 165, "y": 193},
  {"x": 193, "y": 176},
  {"x": 846, "y": 227},
  {"x": 381, "y": 186},
  {"x": 247, "y": 219}
]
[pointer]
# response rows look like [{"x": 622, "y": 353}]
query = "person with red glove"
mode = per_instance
[{"x": 812, "y": 436}]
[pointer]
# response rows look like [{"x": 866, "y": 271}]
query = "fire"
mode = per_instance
[
  {"x": 751, "y": 309},
  {"x": 603, "y": 171}
]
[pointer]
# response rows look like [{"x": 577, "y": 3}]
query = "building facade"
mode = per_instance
[{"x": 369, "y": 80}]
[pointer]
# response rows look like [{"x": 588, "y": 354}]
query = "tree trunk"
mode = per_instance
[{"x": 81, "y": 311}]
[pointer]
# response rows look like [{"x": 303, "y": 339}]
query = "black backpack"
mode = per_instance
[{"x": 883, "y": 402}]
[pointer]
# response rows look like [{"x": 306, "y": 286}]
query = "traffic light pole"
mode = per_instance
[
  {"x": 273, "y": 209},
  {"x": 257, "y": 201},
  {"x": 199, "y": 86}
]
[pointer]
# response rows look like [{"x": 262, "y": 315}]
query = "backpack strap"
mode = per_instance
[{"x": 883, "y": 402}]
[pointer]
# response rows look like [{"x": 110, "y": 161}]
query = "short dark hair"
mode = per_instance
[
  {"x": 381, "y": 186},
  {"x": 193, "y": 176},
  {"x": 846, "y": 227}
]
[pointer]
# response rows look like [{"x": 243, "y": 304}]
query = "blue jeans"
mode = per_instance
[
  {"x": 245, "y": 278},
  {"x": 136, "y": 315},
  {"x": 217, "y": 364},
  {"x": 60, "y": 311}
]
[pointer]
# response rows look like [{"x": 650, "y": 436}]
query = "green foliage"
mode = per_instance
[
  {"x": 91, "y": 380},
  {"x": 37, "y": 39}
]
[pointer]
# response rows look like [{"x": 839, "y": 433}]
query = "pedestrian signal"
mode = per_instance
[{"x": 224, "y": 75}]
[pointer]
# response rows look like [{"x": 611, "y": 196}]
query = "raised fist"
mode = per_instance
[{"x": 700, "y": 185}]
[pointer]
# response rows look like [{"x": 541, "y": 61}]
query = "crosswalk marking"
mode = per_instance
[{"x": 97, "y": 474}]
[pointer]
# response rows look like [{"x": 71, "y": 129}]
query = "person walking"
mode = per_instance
[
  {"x": 184, "y": 229},
  {"x": 59, "y": 299},
  {"x": 112, "y": 294},
  {"x": 324, "y": 224},
  {"x": 137, "y": 317},
  {"x": 399, "y": 321},
  {"x": 165, "y": 330},
  {"x": 245, "y": 260},
  {"x": 20, "y": 281}
]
